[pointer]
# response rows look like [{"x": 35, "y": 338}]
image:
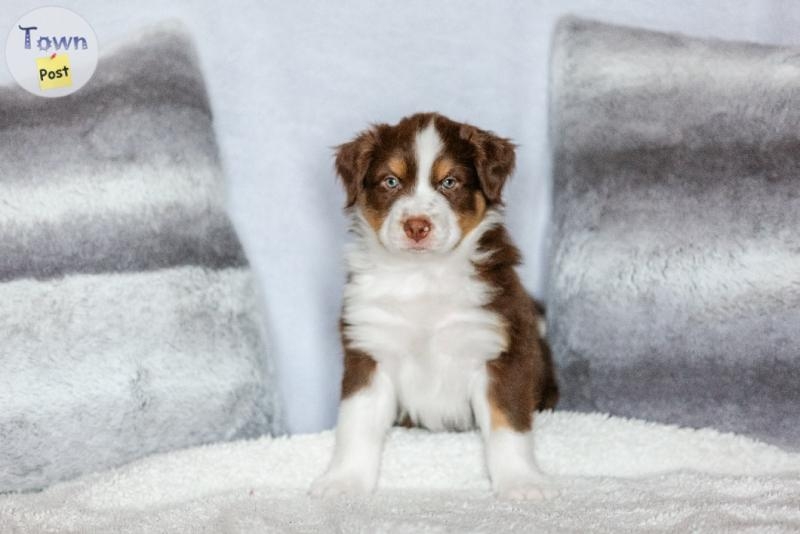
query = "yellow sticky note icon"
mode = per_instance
[{"x": 54, "y": 71}]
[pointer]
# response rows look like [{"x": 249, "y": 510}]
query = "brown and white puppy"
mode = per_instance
[{"x": 436, "y": 327}]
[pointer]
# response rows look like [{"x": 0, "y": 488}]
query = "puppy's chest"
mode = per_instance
[{"x": 431, "y": 333}]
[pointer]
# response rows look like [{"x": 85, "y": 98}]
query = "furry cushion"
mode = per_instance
[
  {"x": 674, "y": 288},
  {"x": 128, "y": 320}
]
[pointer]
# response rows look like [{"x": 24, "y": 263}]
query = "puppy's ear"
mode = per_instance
[
  {"x": 352, "y": 162},
  {"x": 493, "y": 157}
]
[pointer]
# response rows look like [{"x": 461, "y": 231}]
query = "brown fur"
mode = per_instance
[
  {"x": 468, "y": 221},
  {"x": 477, "y": 159},
  {"x": 442, "y": 167},
  {"x": 397, "y": 166},
  {"x": 358, "y": 371},
  {"x": 374, "y": 218},
  {"x": 358, "y": 366},
  {"x": 521, "y": 377}
]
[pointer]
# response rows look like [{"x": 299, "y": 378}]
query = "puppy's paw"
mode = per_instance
[
  {"x": 528, "y": 488},
  {"x": 341, "y": 483}
]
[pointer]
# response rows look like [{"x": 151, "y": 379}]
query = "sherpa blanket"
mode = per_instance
[
  {"x": 615, "y": 475},
  {"x": 128, "y": 316},
  {"x": 674, "y": 289}
]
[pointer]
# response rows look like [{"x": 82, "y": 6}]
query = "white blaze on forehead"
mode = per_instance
[
  {"x": 424, "y": 201},
  {"x": 427, "y": 146}
]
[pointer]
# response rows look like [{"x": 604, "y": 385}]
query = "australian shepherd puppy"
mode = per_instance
[{"x": 436, "y": 327}]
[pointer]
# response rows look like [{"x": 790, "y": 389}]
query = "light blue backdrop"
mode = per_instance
[{"x": 288, "y": 80}]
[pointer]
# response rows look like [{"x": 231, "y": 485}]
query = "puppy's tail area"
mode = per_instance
[
  {"x": 540, "y": 312},
  {"x": 549, "y": 385}
]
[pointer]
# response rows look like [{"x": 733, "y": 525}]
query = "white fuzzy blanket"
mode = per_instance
[{"x": 616, "y": 475}]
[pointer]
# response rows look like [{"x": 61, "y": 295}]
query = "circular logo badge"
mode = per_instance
[{"x": 51, "y": 51}]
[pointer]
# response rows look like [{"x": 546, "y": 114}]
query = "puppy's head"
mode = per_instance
[{"x": 425, "y": 183}]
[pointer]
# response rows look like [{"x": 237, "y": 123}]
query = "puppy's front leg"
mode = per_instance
[
  {"x": 367, "y": 410},
  {"x": 508, "y": 439}
]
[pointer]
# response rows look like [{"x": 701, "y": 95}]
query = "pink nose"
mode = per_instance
[{"x": 417, "y": 228}]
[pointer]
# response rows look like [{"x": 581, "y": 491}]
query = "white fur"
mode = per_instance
[
  {"x": 364, "y": 419},
  {"x": 509, "y": 454},
  {"x": 424, "y": 201},
  {"x": 422, "y": 318},
  {"x": 509, "y": 458}
]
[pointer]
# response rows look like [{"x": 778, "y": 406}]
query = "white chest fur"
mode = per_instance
[{"x": 425, "y": 324}]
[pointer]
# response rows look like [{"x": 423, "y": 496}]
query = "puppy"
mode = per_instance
[{"x": 436, "y": 327}]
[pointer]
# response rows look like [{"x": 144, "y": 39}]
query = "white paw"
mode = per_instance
[
  {"x": 333, "y": 484},
  {"x": 527, "y": 488}
]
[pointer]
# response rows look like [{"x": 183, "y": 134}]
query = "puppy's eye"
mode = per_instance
[
  {"x": 448, "y": 183},
  {"x": 391, "y": 182}
]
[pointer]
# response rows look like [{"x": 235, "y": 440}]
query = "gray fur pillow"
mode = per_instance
[
  {"x": 128, "y": 316},
  {"x": 675, "y": 279}
]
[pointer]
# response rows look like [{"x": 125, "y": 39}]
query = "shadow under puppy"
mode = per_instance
[{"x": 436, "y": 326}]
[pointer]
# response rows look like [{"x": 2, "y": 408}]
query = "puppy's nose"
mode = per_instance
[{"x": 417, "y": 228}]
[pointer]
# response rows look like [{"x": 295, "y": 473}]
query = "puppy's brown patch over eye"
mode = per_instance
[
  {"x": 442, "y": 169},
  {"x": 397, "y": 166}
]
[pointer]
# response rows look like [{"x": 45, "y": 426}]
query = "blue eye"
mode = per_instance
[
  {"x": 391, "y": 182},
  {"x": 448, "y": 183}
]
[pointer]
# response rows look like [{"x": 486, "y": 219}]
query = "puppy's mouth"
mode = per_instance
[{"x": 418, "y": 248}]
